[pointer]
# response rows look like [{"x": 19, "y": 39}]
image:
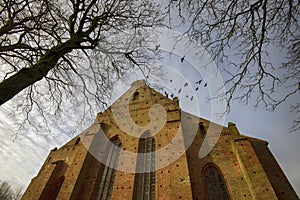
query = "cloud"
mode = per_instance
[{"x": 22, "y": 157}]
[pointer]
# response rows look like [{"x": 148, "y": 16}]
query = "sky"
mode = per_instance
[{"x": 22, "y": 157}]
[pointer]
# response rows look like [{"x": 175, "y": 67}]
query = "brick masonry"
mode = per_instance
[{"x": 248, "y": 167}]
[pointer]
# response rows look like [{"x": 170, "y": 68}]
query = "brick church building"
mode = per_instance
[{"x": 155, "y": 155}]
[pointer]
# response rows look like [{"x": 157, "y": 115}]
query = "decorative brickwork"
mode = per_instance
[{"x": 241, "y": 167}]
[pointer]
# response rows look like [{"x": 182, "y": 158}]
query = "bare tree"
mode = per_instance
[
  {"x": 7, "y": 193},
  {"x": 72, "y": 50},
  {"x": 242, "y": 35},
  {"x": 69, "y": 51}
]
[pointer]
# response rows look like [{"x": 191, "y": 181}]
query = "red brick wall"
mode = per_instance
[
  {"x": 249, "y": 169},
  {"x": 277, "y": 178}
]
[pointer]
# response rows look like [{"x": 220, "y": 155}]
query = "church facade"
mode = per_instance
[{"x": 160, "y": 160}]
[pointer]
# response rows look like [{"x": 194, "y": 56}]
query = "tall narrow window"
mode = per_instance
[
  {"x": 144, "y": 183},
  {"x": 55, "y": 181},
  {"x": 201, "y": 128},
  {"x": 77, "y": 141},
  {"x": 215, "y": 184},
  {"x": 109, "y": 171}
]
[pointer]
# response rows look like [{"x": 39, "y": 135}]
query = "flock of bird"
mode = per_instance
[
  {"x": 186, "y": 85},
  {"x": 198, "y": 83}
]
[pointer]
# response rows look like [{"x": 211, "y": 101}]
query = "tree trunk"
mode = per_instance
[{"x": 28, "y": 76}]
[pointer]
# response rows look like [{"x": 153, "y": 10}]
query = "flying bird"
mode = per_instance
[
  {"x": 186, "y": 84},
  {"x": 192, "y": 98},
  {"x": 196, "y": 88},
  {"x": 198, "y": 82},
  {"x": 179, "y": 91},
  {"x": 172, "y": 95},
  {"x": 186, "y": 96},
  {"x": 205, "y": 84},
  {"x": 182, "y": 59},
  {"x": 171, "y": 80},
  {"x": 166, "y": 94}
]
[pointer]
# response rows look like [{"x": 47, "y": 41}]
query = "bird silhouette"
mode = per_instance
[
  {"x": 171, "y": 80},
  {"x": 186, "y": 84},
  {"x": 179, "y": 91},
  {"x": 182, "y": 59},
  {"x": 192, "y": 98},
  {"x": 196, "y": 88},
  {"x": 205, "y": 84},
  {"x": 172, "y": 95},
  {"x": 186, "y": 96},
  {"x": 198, "y": 82}
]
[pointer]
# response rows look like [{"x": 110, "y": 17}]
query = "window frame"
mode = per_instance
[
  {"x": 219, "y": 188},
  {"x": 145, "y": 183}
]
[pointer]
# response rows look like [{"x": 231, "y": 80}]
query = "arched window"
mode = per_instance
[
  {"x": 109, "y": 172},
  {"x": 214, "y": 184},
  {"x": 144, "y": 183},
  {"x": 136, "y": 96}
]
